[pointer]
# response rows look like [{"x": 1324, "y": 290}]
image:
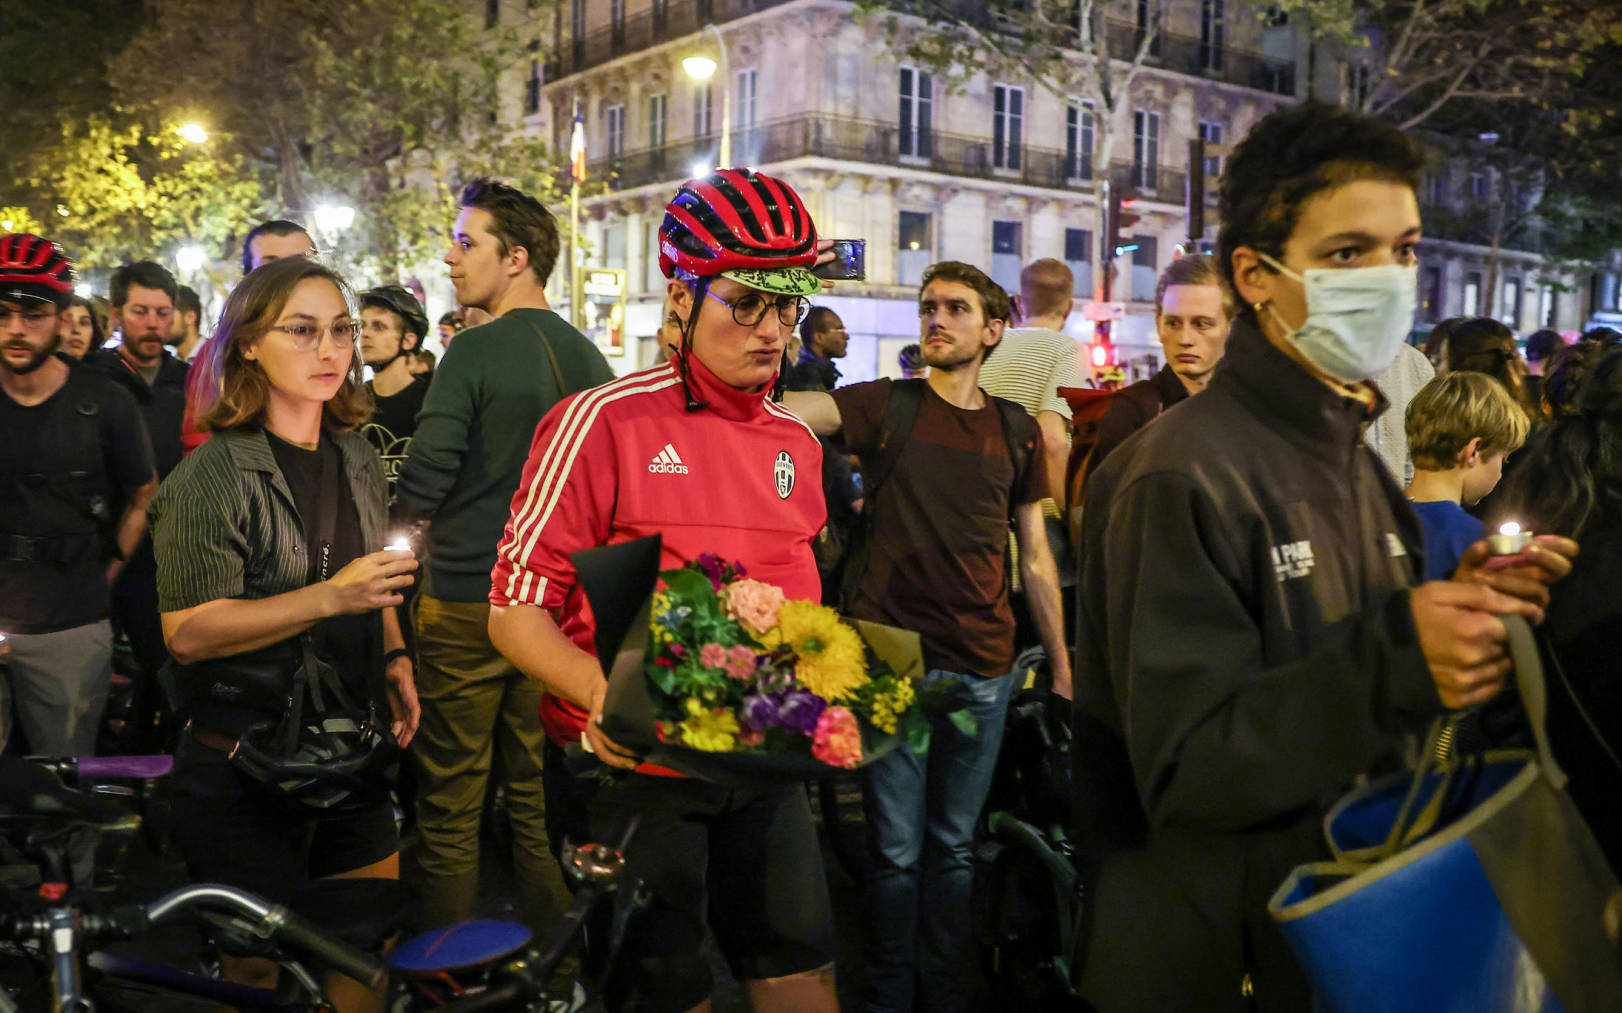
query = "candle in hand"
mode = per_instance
[{"x": 1509, "y": 540}]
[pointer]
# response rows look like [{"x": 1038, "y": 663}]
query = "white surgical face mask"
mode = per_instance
[{"x": 1357, "y": 317}]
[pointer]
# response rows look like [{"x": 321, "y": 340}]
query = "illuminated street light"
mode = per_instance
[
  {"x": 8, "y": 225},
  {"x": 699, "y": 68},
  {"x": 702, "y": 68},
  {"x": 189, "y": 258},
  {"x": 332, "y": 219},
  {"x": 698, "y": 170},
  {"x": 83, "y": 290},
  {"x": 194, "y": 133},
  {"x": 62, "y": 211}
]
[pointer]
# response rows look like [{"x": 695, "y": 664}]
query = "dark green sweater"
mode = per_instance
[{"x": 473, "y": 435}]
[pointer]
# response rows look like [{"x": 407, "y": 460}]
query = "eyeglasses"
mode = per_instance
[
  {"x": 307, "y": 337},
  {"x": 32, "y": 318},
  {"x": 750, "y": 309}
]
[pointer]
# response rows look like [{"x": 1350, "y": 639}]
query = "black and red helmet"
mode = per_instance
[
  {"x": 34, "y": 270},
  {"x": 750, "y": 227}
]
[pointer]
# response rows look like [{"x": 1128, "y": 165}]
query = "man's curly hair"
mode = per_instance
[{"x": 1294, "y": 154}]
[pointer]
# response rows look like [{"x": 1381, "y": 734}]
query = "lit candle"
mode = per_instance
[
  {"x": 1510, "y": 539},
  {"x": 401, "y": 543}
]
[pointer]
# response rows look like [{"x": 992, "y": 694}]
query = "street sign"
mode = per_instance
[{"x": 1103, "y": 310}]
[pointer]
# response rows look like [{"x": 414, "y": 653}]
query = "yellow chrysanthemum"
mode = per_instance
[
  {"x": 712, "y": 731},
  {"x": 830, "y": 662},
  {"x": 888, "y": 707},
  {"x": 661, "y": 604}
]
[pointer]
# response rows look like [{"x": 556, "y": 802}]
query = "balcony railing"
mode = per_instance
[
  {"x": 874, "y": 143},
  {"x": 661, "y": 22},
  {"x": 678, "y": 18}
]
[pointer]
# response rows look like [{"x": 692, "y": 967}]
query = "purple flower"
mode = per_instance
[
  {"x": 718, "y": 570},
  {"x": 801, "y": 709},
  {"x": 760, "y": 712}
]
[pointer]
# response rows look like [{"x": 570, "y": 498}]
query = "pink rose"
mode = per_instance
[
  {"x": 712, "y": 656},
  {"x": 837, "y": 740},
  {"x": 754, "y": 604},
  {"x": 741, "y": 663}
]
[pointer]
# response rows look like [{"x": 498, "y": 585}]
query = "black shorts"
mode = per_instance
[
  {"x": 744, "y": 862},
  {"x": 233, "y": 830}
]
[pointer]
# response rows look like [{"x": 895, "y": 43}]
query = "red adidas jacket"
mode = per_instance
[{"x": 741, "y": 478}]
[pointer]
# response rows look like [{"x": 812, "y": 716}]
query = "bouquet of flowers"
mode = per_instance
[{"x": 731, "y": 679}]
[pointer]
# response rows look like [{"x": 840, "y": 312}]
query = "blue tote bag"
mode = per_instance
[{"x": 1470, "y": 886}]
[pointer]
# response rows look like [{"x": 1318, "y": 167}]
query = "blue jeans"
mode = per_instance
[{"x": 921, "y": 812}]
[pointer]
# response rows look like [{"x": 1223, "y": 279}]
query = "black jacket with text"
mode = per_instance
[{"x": 1245, "y": 633}]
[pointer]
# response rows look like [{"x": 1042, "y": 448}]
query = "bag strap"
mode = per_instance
[
  {"x": 1576, "y": 701},
  {"x": 326, "y": 516},
  {"x": 1523, "y": 651},
  {"x": 552, "y": 357},
  {"x": 895, "y": 430},
  {"x": 1019, "y": 432},
  {"x": 1437, "y": 759}
]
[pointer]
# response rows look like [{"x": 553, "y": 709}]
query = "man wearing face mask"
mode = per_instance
[{"x": 1252, "y": 634}]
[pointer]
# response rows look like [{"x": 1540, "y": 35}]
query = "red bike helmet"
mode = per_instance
[
  {"x": 744, "y": 225},
  {"x": 34, "y": 270}
]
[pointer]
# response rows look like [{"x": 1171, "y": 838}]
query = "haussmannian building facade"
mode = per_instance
[{"x": 996, "y": 173}]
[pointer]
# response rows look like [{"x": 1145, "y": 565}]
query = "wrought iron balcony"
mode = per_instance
[{"x": 877, "y": 143}]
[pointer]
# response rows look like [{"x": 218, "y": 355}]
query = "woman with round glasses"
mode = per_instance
[
  {"x": 693, "y": 450},
  {"x": 272, "y": 529}
]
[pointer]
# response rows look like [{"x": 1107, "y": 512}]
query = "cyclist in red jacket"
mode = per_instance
[{"x": 694, "y": 450}]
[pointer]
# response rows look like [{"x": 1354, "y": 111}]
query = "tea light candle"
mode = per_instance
[
  {"x": 1509, "y": 540},
  {"x": 401, "y": 543}
]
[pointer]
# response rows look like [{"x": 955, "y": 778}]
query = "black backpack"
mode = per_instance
[{"x": 895, "y": 431}]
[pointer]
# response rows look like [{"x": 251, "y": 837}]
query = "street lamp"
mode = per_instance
[
  {"x": 83, "y": 290},
  {"x": 333, "y": 218},
  {"x": 702, "y": 68},
  {"x": 189, "y": 259},
  {"x": 194, "y": 133}
]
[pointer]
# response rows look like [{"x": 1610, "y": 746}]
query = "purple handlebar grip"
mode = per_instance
[{"x": 125, "y": 766}]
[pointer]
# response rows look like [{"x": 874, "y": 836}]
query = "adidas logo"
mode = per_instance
[{"x": 667, "y": 463}]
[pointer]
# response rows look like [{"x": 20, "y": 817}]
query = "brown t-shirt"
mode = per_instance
[{"x": 940, "y": 528}]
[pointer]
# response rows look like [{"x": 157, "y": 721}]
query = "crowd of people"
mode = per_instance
[{"x": 1259, "y": 578}]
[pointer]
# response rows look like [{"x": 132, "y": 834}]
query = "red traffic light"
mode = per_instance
[{"x": 1103, "y": 355}]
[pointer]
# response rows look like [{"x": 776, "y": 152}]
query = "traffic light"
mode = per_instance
[{"x": 1123, "y": 215}]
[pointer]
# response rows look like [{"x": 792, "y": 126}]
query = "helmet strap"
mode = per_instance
[{"x": 682, "y": 365}]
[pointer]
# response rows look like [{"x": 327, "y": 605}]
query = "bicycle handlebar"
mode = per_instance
[{"x": 280, "y": 923}]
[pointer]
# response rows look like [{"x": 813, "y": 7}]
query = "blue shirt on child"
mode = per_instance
[{"x": 1449, "y": 530}]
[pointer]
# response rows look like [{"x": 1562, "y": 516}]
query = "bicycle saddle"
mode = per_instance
[
  {"x": 27, "y": 790},
  {"x": 460, "y": 946}
]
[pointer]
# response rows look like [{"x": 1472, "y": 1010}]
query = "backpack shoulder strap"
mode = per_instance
[
  {"x": 1019, "y": 430},
  {"x": 895, "y": 427}
]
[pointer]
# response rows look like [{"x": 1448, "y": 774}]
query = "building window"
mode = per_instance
[
  {"x": 1078, "y": 140},
  {"x": 492, "y": 13},
  {"x": 1472, "y": 294},
  {"x": 1436, "y": 189},
  {"x": 1546, "y": 306},
  {"x": 1212, "y": 132},
  {"x": 616, "y": 17},
  {"x": 1007, "y": 125},
  {"x": 1358, "y": 84},
  {"x": 1146, "y": 24},
  {"x": 1511, "y": 311},
  {"x": 656, "y": 121},
  {"x": 746, "y": 99},
  {"x": 1006, "y": 254},
  {"x": 653, "y": 280},
  {"x": 1145, "y": 268},
  {"x": 532, "y": 89},
  {"x": 703, "y": 108},
  {"x": 1430, "y": 293},
  {"x": 917, "y": 113},
  {"x": 1478, "y": 186},
  {"x": 1145, "y": 149},
  {"x": 614, "y": 129},
  {"x": 915, "y": 247},
  {"x": 1212, "y": 34},
  {"x": 1078, "y": 256}
]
